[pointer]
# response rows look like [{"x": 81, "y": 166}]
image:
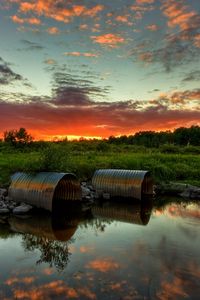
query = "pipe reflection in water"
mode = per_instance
[
  {"x": 50, "y": 234},
  {"x": 43, "y": 225},
  {"x": 135, "y": 213}
]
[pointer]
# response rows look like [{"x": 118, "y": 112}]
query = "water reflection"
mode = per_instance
[
  {"x": 123, "y": 261},
  {"x": 135, "y": 213},
  {"x": 50, "y": 234}
]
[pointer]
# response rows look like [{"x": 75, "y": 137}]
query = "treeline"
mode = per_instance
[{"x": 181, "y": 137}]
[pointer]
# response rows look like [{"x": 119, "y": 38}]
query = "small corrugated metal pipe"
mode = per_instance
[
  {"x": 44, "y": 189},
  {"x": 123, "y": 183}
]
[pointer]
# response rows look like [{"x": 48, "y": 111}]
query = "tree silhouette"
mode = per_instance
[{"x": 14, "y": 137}]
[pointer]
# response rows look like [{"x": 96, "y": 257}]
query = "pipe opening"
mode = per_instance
[
  {"x": 67, "y": 189},
  {"x": 44, "y": 189},
  {"x": 147, "y": 185}
]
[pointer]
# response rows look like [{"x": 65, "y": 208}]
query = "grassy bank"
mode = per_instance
[{"x": 167, "y": 163}]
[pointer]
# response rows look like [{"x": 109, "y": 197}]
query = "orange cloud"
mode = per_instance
[
  {"x": 184, "y": 212},
  {"x": 103, "y": 265},
  {"x": 84, "y": 249},
  {"x": 197, "y": 40},
  {"x": 48, "y": 271},
  {"x": 92, "y": 12},
  {"x": 25, "y": 280},
  {"x": 57, "y": 289},
  {"x": 63, "y": 13},
  {"x": 16, "y": 19},
  {"x": 96, "y": 27},
  {"x": 83, "y": 27},
  {"x": 85, "y": 292},
  {"x": 53, "y": 30},
  {"x": 116, "y": 286},
  {"x": 152, "y": 27},
  {"x": 145, "y": 1},
  {"x": 109, "y": 39},
  {"x": 32, "y": 21},
  {"x": 140, "y": 7},
  {"x": 124, "y": 19},
  {"x": 178, "y": 14},
  {"x": 172, "y": 290}
]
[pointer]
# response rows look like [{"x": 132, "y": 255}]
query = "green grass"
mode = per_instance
[{"x": 84, "y": 159}]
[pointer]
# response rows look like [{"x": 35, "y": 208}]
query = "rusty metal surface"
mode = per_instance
[
  {"x": 41, "y": 189},
  {"x": 122, "y": 183}
]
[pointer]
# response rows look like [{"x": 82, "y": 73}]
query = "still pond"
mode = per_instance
[{"x": 110, "y": 251}]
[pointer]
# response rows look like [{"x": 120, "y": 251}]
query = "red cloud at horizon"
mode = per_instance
[{"x": 89, "y": 118}]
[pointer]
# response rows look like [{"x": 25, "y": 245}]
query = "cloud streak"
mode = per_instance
[
  {"x": 84, "y": 54},
  {"x": 9, "y": 77}
]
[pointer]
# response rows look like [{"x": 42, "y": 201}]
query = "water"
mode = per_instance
[{"x": 112, "y": 251}]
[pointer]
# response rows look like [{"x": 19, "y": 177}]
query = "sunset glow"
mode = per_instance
[{"x": 98, "y": 69}]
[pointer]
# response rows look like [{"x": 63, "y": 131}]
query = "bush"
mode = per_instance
[{"x": 170, "y": 149}]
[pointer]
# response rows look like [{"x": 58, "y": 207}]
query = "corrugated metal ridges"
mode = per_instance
[
  {"x": 41, "y": 188},
  {"x": 122, "y": 183},
  {"x": 42, "y": 226},
  {"x": 128, "y": 214}
]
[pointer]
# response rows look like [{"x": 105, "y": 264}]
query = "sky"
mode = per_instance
[{"x": 72, "y": 68}]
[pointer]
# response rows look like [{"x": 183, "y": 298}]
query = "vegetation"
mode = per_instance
[
  {"x": 175, "y": 160},
  {"x": 17, "y": 137}
]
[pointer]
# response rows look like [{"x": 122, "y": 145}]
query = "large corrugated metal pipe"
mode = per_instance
[
  {"x": 122, "y": 183},
  {"x": 44, "y": 189}
]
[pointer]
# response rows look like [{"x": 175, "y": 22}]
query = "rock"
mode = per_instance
[
  {"x": 90, "y": 187},
  {"x": 195, "y": 194},
  {"x": 7, "y": 199},
  {"x": 85, "y": 191},
  {"x": 191, "y": 192},
  {"x": 4, "y": 205},
  {"x": 4, "y": 210},
  {"x": 22, "y": 209},
  {"x": 11, "y": 207},
  {"x": 3, "y": 192},
  {"x": 179, "y": 189},
  {"x": 106, "y": 196}
]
